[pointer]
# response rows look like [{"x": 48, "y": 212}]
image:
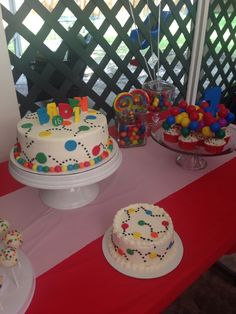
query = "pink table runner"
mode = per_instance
[{"x": 147, "y": 174}]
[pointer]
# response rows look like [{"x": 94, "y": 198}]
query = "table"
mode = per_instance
[{"x": 65, "y": 247}]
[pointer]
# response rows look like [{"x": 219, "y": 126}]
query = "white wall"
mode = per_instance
[{"x": 9, "y": 108}]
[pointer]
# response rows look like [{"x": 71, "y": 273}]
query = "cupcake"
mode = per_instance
[
  {"x": 172, "y": 134},
  {"x": 189, "y": 142},
  {"x": 214, "y": 145}
]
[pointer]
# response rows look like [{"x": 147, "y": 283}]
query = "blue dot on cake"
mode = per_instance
[{"x": 70, "y": 145}]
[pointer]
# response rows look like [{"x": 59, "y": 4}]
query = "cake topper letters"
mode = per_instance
[{"x": 56, "y": 114}]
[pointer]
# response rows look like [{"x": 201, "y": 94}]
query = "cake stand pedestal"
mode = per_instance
[
  {"x": 191, "y": 162},
  {"x": 71, "y": 190}
]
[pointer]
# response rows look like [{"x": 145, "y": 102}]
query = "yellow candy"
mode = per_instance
[
  {"x": 137, "y": 235},
  {"x": 64, "y": 168},
  {"x": 45, "y": 133},
  {"x": 131, "y": 210},
  {"x": 178, "y": 118},
  {"x": 34, "y": 167},
  {"x": 200, "y": 116},
  {"x": 92, "y": 162},
  {"x": 185, "y": 122},
  {"x": 155, "y": 102},
  {"x": 152, "y": 255},
  {"x": 206, "y": 131},
  {"x": 184, "y": 114}
]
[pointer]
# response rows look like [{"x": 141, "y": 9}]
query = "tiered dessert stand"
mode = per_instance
[
  {"x": 71, "y": 190},
  {"x": 192, "y": 159}
]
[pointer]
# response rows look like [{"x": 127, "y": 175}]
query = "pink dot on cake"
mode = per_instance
[
  {"x": 214, "y": 145},
  {"x": 189, "y": 142},
  {"x": 172, "y": 134}
]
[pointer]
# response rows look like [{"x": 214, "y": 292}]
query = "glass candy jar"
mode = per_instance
[{"x": 131, "y": 128}]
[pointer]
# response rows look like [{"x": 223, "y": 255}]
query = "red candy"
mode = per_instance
[
  {"x": 124, "y": 226},
  {"x": 165, "y": 223}
]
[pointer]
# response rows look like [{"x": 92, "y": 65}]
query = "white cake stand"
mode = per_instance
[
  {"x": 16, "y": 299},
  {"x": 68, "y": 191}
]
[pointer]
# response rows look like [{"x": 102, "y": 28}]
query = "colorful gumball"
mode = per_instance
[
  {"x": 174, "y": 111},
  {"x": 178, "y": 118},
  {"x": 200, "y": 116},
  {"x": 221, "y": 107},
  {"x": 223, "y": 113},
  {"x": 190, "y": 109},
  {"x": 220, "y": 133},
  {"x": 194, "y": 125},
  {"x": 185, "y": 122},
  {"x": 183, "y": 104},
  {"x": 206, "y": 131},
  {"x": 215, "y": 127},
  {"x": 184, "y": 114},
  {"x": 201, "y": 124},
  {"x": 185, "y": 132},
  {"x": 204, "y": 104},
  {"x": 194, "y": 116},
  {"x": 222, "y": 122},
  {"x": 170, "y": 120},
  {"x": 165, "y": 125},
  {"x": 230, "y": 117}
]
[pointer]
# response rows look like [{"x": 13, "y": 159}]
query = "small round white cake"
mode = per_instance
[{"x": 142, "y": 237}]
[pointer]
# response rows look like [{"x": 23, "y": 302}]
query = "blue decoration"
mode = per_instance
[
  {"x": 43, "y": 115},
  {"x": 230, "y": 117},
  {"x": 215, "y": 127},
  {"x": 40, "y": 168},
  {"x": 70, "y": 145},
  {"x": 70, "y": 167},
  {"x": 193, "y": 125},
  {"x": 148, "y": 212},
  {"x": 170, "y": 120},
  {"x": 91, "y": 117}
]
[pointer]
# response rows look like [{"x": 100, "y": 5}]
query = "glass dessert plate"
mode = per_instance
[{"x": 193, "y": 159}]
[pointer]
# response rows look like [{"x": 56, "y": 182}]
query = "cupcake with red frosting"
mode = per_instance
[
  {"x": 172, "y": 134},
  {"x": 189, "y": 142},
  {"x": 214, "y": 145}
]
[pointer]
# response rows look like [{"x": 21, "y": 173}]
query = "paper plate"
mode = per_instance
[{"x": 17, "y": 299}]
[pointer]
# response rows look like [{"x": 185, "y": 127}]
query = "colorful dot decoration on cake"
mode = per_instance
[
  {"x": 143, "y": 225},
  {"x": 142, "y": 237},
  {"x": 41, "y": 159},
  {"x": 70, "y": 145},
  {"x": 27, "y": 125}
]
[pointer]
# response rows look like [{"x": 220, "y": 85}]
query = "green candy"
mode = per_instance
[
  {"x": 220, "y": 133},
  {"x": 41, "y": 158},
  {"x": 141, "y": 222},
  {"x": 130, "y": 252},
  {"x": 165, "y": 125},
  {"x": 57, "y": 120},
  {"x": 185, "y": 132}
]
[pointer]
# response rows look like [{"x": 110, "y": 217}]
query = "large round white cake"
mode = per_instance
[
  {"x": 66, "y": 147},
  {"x": 142, "y": 237}
]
